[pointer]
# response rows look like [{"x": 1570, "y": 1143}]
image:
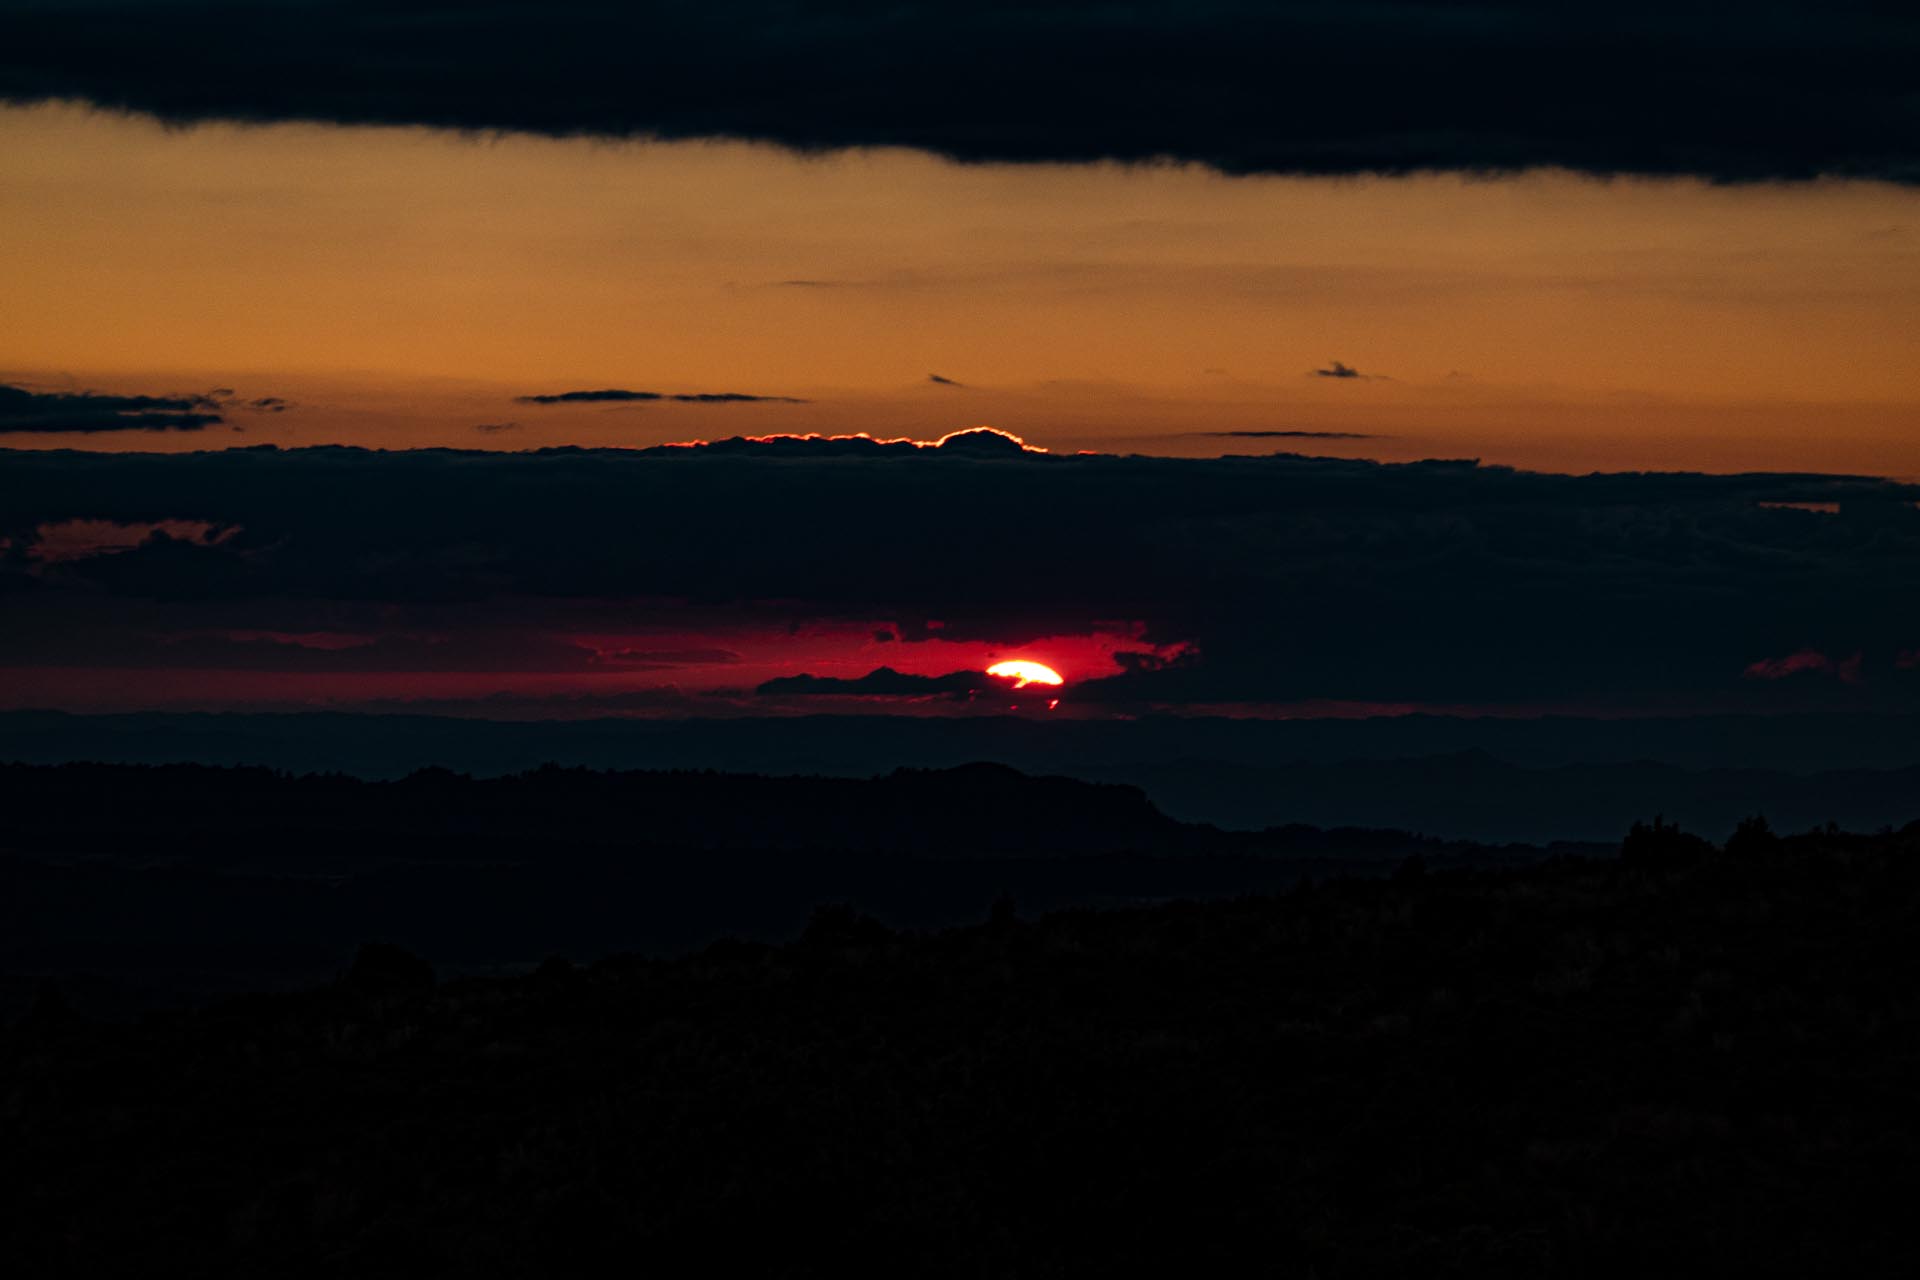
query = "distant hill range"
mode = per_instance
[
  {"x": 1483, "y": 779},
  {"x": 170, "y": 881}
]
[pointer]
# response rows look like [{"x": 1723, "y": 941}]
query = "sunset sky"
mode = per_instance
[
  {"x": 1630, "y": 241},
  {"x": 402, "y": 287}
]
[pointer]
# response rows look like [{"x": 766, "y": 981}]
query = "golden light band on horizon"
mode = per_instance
[{"x": 403, "y": 287}]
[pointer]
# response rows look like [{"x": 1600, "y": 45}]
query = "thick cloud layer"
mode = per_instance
[
  {"x": 1791, "y": 89},
  {"x": 1290, "y": 579}
]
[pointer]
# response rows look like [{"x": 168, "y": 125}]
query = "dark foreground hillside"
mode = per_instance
[
  {"x": 1680, "y": 1061},
  {"x": 145, "y": 887}
]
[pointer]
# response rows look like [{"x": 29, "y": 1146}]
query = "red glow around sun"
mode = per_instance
[{"x": 1024, "y": 673}]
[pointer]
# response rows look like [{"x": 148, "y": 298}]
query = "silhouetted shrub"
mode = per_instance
[
  {"x": 1753, "y": 838},
  {"x": 1565, "y": 1069},
  {"x": 839, "y": 925},
  {"x": 380, "y": 968},
  {"x": 555, "y": 969},
  {"x": 50, "y": 1013},
  {"x": 1004, "y": 913},
  {"x": 1662, "y": 844}
]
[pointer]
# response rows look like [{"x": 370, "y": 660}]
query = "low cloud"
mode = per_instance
[
  {"x": 1338, "y": 370},
  {"x": 882, "y": 682},
  {"x": 945, "y": 382},
  {"x": 667, "y": 657},
  {"x": 1295, "y": 578}
]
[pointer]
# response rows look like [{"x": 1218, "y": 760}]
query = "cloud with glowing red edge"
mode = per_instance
[{"x": 1847, "y": 670}]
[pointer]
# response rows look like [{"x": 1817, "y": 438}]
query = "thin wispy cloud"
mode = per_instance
[
  {"x": 617, "y": 395},
  {"x": 1285, "y": 435}
]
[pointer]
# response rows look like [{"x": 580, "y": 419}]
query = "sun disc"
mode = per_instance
[{"x": 1024, "y": 673}]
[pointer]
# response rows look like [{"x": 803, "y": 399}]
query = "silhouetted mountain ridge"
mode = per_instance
[
  {"x": 1552, "y": 778},
  {"x": 204, "y": 811},
  {"x": 182, "y": 881}
]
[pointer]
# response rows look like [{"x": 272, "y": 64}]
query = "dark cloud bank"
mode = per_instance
[
  {"x": 1293, "y": 579},
  {"x": 882, "y": 682},
  {"x": 24, "y": 412},
  {"x": 1785, "y": 90}
]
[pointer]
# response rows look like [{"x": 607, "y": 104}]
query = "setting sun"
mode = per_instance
[{"x": 1025, "y": 673}]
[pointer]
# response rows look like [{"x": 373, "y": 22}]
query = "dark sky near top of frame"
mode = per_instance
[{"x": 1681, "y": 87}]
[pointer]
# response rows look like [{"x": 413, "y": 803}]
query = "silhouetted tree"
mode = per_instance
[
  {"x": 1004, "y": 914},
  {"x": 1662, "y": 844},
  {"x": 839, "y": 925},
  {"x": 50, "y": 1013},
  {"x": 1753, "y": 838},
  {"x": 380, "y": 968},
  {"x": 555, "y": 970}
]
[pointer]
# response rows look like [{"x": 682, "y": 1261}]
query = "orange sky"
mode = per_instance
[{"x": 403, "y": 286}]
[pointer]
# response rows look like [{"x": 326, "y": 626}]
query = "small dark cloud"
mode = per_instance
[
  {"x": 1338, "y": 370},
  {"x": 809, "y": 284},
  {"x": 883, "y": 637},
  {"x": 945, "y": 382},
  {"x": 46, "y": 412},
  {"x": 494, "y": 428},
  {"x": 1286, "y": 435},
  {"x": 881, "y": 682},
  {"x": 269, "y": 404},
  {"x": 607, "y": 395},
  {"x": 617, "y": 395}
]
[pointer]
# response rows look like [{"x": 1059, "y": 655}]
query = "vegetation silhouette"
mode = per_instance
[{"x": 1682, "y": 1058}]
